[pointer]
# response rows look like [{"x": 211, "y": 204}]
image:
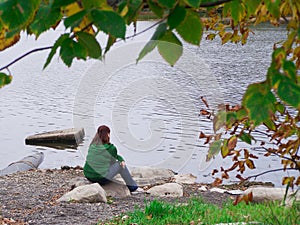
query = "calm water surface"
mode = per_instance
[{"x": 152, "y": 108}]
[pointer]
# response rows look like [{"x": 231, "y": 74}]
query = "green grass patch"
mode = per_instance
[{"x": 198, "y": 212}]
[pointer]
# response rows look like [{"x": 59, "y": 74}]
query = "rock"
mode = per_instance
[
  {"x": 219, "y": 190},
  {"x": 72, "y": 136},
  {"x": 232, "y": 192},
  {"x": 185, "y": 179},
  {"x": 90, "y": 193},
  {"x": 149, "y": 176},
  {"x": 202, "y": 188},
  {"x": 79, "y": 181},
  {"x": 168, "y": 190},
  {"x": 263, "y": 194},
  {"x": 116, "y": 189}
]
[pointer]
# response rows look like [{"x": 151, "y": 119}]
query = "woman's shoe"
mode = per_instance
[{"x": 138, "y": 191}]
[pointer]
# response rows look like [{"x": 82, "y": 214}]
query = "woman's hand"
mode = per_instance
[{"x": 122, "y": 164}]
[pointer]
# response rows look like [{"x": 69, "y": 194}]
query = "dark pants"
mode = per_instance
[{"x": 115, "y": 169}]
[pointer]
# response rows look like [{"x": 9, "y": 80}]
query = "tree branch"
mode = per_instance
[
  {"x": 211, "y": 4},
  {"x": 24, "y": 55},
  {"x": 269, "y": 171}
]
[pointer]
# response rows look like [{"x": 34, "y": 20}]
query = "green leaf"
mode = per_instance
[
  {"x": 57, "y": 44},
  {"x": 90, "y": 43},
  {"x": 170, "y": 48},
  {"x": 5, "y": 79},
  {"x": 290, "y": 70},
  {"x": 219, "y": 120},
  {"x": 61, "y": 3},
  {"x": 167, "y": 3},
  {"x": 230, "y": 119},
  {"x": 214, "y": 149},
  {"x": 273, "y": 7},
  {"x": 157, "y": 9},
  {"x": 191, "y": 28},
  {"x": 237, "y": 10},
  {"x": 241, "y": 114},
  {"x": 46, "y": 17},
  {"x": 252, "y": 6},
  {"x": 270, "y": 124},
  {"x": 109, "y": 22},
  {"x": 260, "y": 102},
  {"x": 111, "y": 40},
  {"x": 193, "y": 3},
  {"x": 246, "y": 138},
  {"x": 89, "y": 4},
  {"x": 289, "y": 92},
  {"x": 176, "y": 16},
  {"x": 71, "y": 49},
  {"x": 17, "y": 14},
  {"x": 224, "y": 149},
  {"x": 134, "y": 7},
  {"x": 75, "y": 19},
  {"x": 159, "y": 32}
]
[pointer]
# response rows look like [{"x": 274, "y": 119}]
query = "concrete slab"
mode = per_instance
[{"x": 72, "y": 136}]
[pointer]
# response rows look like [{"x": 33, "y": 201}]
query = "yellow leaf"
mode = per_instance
[
  {"x": 7, "y": 42},
  {"x": 124, "y": 11},
  {"x": 250, "y": 164}
]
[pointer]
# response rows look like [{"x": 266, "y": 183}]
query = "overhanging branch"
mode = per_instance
[
  {"x": 24, "y": 55},
  {"x": 211, "y": 4},
  {"x": 269, "y": 171}
]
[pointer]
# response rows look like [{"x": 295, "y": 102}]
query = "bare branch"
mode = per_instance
[
  {"x": 211, "y": 4},
  {"x": 269, "y": 171},
  {"x": 24, "y": 55}
]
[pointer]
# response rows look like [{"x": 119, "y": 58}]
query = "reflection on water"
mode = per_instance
[{"x": 151, "y": 107}]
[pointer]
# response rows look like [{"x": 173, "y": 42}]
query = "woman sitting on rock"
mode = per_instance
[{"x": 103, "y": 162}]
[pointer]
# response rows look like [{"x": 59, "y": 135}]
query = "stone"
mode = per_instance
[
  {"x": 219, "y": 190},
  {"x": 149, "y": 176},
  {"x": 72, "y": 136},
  {"x": 185, "y": 179},
  {"x": 202, "y": 188},
  {"x": 116, "y": 189},
  {"x": 91, "y": 193},
  {"x": 263, "y": 194},
  {"x": 79, "y": 181},
  {"x": 166, "y": 190}
]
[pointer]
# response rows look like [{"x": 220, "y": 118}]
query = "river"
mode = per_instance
[{"x": 152, "y": 108}]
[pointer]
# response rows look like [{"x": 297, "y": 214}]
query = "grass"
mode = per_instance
[{"x": 198, "y": 212}]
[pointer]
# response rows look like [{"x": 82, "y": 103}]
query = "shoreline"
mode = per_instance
[{"x": 30, "y": 198}]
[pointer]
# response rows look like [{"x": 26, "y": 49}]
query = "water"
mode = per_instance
[{"x": 152, "y": 108}]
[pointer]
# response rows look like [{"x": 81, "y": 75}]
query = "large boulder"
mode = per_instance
[
  {"x": 149, "y": 176},
  {"x": 185, "y": 179},
  {"x": 263, "y": 194},
  {"x": 114, "y": 189},
  {"x": 167, "y": 190},
  {"x": 90, "y": 193}
]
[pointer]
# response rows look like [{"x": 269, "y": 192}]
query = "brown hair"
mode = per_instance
[{"x": 102, "y": 135}]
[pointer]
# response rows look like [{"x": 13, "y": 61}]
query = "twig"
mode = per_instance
[
  {"x": 269, "y": 171},
  {"x": 24, "y": 55},
  {"x": 211, "y": 4}
]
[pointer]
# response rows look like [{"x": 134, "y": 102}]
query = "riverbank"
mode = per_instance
[{"x": 30, "y": 198}]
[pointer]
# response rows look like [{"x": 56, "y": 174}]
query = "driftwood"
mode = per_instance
[{"x": 27, "y": 163}]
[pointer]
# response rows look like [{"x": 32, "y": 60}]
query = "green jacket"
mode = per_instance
[{"x": 98, "y": 160}]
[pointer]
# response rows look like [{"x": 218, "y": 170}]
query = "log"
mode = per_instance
[
  {"x": 27, "y": 163},
  {"x": 72, "y": 136}
]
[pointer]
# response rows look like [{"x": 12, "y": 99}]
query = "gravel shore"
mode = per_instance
[{"x": 30, "y": 198}]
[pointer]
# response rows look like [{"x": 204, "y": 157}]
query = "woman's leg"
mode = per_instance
[{"x": 116, "y": 168}]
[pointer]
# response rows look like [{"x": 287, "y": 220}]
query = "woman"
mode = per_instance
[{"x": 103, "y": 162}]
